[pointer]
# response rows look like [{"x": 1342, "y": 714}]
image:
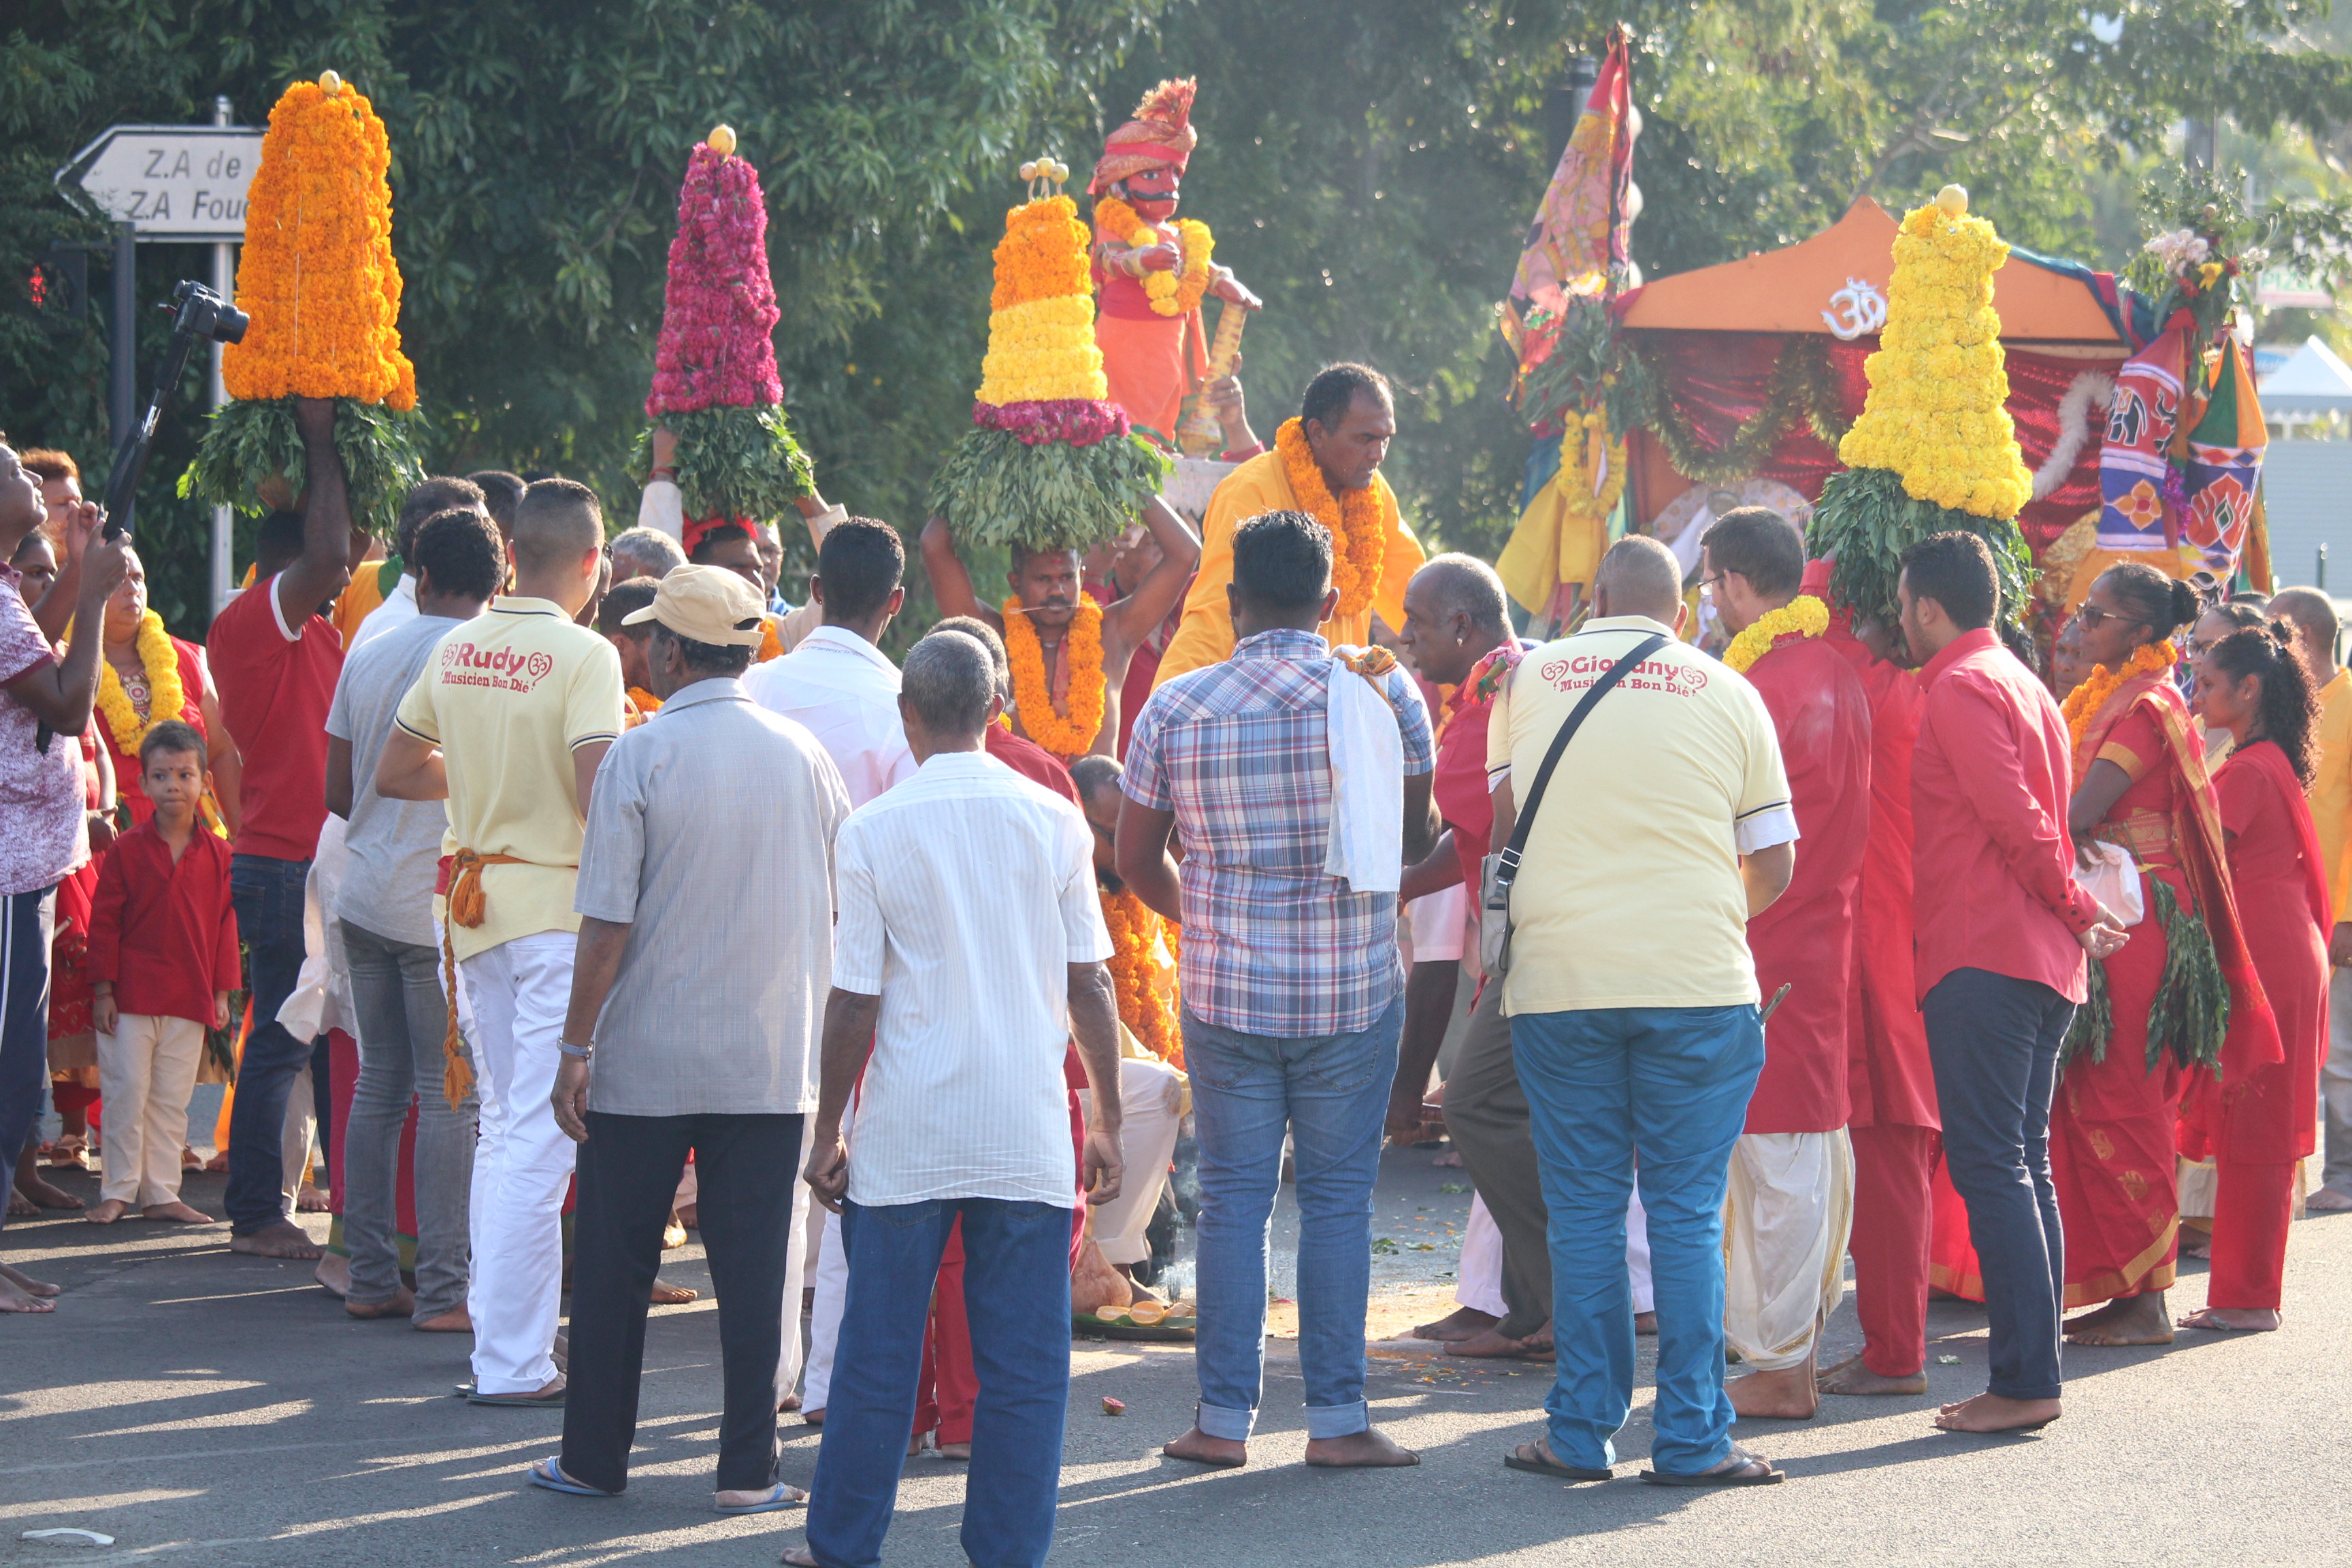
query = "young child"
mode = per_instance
[{"x": 162, "y": 960}]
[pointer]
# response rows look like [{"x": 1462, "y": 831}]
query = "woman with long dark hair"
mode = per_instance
[
  {"x": 2179, "y": 997},
  {"x": 2251, "y": 684}
]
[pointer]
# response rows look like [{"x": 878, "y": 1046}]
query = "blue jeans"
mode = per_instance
[
  {"x": 1674, "y": 1083},
  {"x": 1331, "y": 1092},
  {"x": 1016, "y": 1276},
  {"x": 268, "y": 894},
  {"x": 27, "y": 925},
  {"x": 1993, "y": 1040}
]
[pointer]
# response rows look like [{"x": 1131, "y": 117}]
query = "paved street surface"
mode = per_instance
[{"x": 207, "y": 1409}]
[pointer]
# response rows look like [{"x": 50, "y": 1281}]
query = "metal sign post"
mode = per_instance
[{"x": 167, "y": 184}]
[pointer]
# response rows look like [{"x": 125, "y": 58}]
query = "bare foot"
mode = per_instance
[
  {"x": 1368, "y": 1450},
  {"x": 2328, "y": 1200},
  {"x": 2238, "y": 1320},
  {"x": 954, "y": 1452},
  {"x": 190, "y": 1160},
  {"x": 108, "y": 1212},
  {"x": 669, "y": 1295},
  {"x": 1217, "y": 1453},
  {"x": 672, "y": 1234},
  {"x": 177, "y": 1213},
  {"x": 217, "y": 1164},
  {"x": 813, "y": 1417},
  {"x": 915, "y": 1444},
  {"x": 1462, "y": 1323},
  {"x": 688, "y": 1215},
  {"x": 560, "y": 1352},
  {"x": 1786, "y": 1395},
  {"x": 1646, "y": 1322},
  {"x": 312, "y": 1200},
  {"x": 2195, "y": 1243},
  {"x": 788, "y": 1404},
  {"x": 1535, "y": 1346},
  {"x": 27, "y": 1283},
  {"x": 15, "y": 1298},
  {"x": 455, "y": 1321},
  {"x": 799, "y": 1557},
  {"x": 19, "y": 1206},
  {"x": 1852, "y": 1377},
  {"x": 285, "y": 1239},
  {"x": 1998, "y": 1413},
  {"x": 399, "y": 1304},
  {"x": 40, "y": 1192},
  {"x": 2133, "y": 1321},
  {"x": 334, "y": 1275}
]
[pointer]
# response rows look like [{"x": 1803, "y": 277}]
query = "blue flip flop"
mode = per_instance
[
  {"x": 548, "y": 1473},
  {"x": 780, "y": 1497}
]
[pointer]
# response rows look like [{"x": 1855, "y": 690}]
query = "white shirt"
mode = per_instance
[
  {"x": 399, "y": 608},
  {"x": 845, "y": 693},
  {"x": 964, "y": 896}
]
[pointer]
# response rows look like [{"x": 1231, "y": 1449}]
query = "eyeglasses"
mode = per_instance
[
  {"x": 1706, "y": 584},
  {"x": 2093, "y": 617}
]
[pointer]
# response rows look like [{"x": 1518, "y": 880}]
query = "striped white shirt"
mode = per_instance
[{"x": 965, "y": 893}]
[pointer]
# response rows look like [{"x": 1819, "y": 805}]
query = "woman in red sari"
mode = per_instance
[
  {"x": 2255, "y": 1128},
  {"x": 141, "y": 663},
  {"x": 2181, "y": 995}
]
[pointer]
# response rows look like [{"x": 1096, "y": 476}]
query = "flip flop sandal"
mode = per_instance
[
  {"x": 1736, "y": 1474},
  {"x": 521, "y": 1401},
  {"x": 780, "y": 1497},
  {"x": 548, "y": 1473},
  {"x": 1543, "y": 1466}
]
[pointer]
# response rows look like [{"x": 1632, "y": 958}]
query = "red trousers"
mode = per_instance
[
  {"x": 2252, "y": 1207},
  {"x": 1892, "y": 1214}
]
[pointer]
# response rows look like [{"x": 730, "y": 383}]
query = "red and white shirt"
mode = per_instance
[{"x": 43, "y": 836}]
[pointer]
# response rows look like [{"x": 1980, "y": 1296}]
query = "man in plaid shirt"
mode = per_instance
[{"x": 1292, "y": 987}]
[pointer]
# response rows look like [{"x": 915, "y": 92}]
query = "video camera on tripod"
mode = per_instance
[{"x": 198, "y": 315}]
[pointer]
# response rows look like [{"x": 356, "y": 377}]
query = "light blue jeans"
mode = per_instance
[
  {"x": 1674, "y": 1083},
  {"x": 1331, "y": 1093}
]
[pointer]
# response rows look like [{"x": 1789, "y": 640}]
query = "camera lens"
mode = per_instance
[{"x": 230, "y": 326}]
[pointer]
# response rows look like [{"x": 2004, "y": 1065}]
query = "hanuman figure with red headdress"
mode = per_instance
[{"x": 1152, "y": 270}]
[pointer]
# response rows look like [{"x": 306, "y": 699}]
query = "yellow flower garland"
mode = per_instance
[
  {"x": 1135, "y": 928},
  {"x": 1804, "y": 614},
  {"x": 1171, "y": 293},
  {"x": 1033, "y": 693},
  {"x": 1359, "y": 533},
  {"x": 2082, "y": 703},
  {"x": 166, "y": 696},
  {"x": 1041, "y": 324}
]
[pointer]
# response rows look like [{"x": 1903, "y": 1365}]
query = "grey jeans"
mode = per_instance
[
  {"x": 2335, "y": 1084},
  {"x": 402, "y": 1013}
]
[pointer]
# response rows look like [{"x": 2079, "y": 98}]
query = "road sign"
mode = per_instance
[{"x": 168, "y": 182}]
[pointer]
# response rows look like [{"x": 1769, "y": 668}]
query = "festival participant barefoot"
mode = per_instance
[{"x": 1069, "y": 655}]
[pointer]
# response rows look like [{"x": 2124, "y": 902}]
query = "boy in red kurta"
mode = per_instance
[
  {"x": 1791, "y": 1202},
  {"x": 162, "y": 960}
]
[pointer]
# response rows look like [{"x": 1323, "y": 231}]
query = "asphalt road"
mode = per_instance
[{"x": 208, "y": 1409}]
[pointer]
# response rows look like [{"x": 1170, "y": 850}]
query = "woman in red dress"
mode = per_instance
[
  {"x": 2251, "y": 684},
  {"x": 2181, "y": 996}
]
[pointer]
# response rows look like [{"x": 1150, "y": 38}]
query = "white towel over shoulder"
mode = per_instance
[{"x": 1366, "y": 751}]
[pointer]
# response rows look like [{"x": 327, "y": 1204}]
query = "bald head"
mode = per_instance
[
  {"x": 2313, "y": 616},
  {"x": 1639, "y": 576},
  {"x": 1467, "y": 584}
]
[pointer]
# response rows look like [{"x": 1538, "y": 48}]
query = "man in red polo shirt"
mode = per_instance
[
  {"x": 276, "y": 656},
  {"x": 2003, "y": 929}
]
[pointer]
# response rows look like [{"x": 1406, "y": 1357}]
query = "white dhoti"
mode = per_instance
[
  {"x": 1151, "y": 1097},
  {"x": 797, "y": 1254},
  {"x": 1637, "y": 1254},
  {"x": 824, "y": 1313},
  {"x": 1479, "y": 1277},
  {"x": 1786, "y": 1214}
]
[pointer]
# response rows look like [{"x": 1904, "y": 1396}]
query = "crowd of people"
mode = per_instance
[{"x": 644, "y": 896}]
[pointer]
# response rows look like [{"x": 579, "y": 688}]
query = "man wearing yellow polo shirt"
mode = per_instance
[
  {"x": 1325, "y": 463},
  {"x": 2313, "y": 614},
  {"x": 507, "y": 723}
]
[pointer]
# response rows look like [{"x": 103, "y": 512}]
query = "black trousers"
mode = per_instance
[
  {"x": 629, "y": 1168},
  {"x": 1993, "y": 1040}
]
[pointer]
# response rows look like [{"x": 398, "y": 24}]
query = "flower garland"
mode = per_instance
[
  {"x": 166, "y": 696},
  {"x": 316, "y": 274},
  {"x": 1170, "y": 293},
  {"x": 1803, "y": 382},
  {"x": 772, "y": 644},
  {"x": 1586, "y": 446},
  {"x": 1135, "y": 928},
  {"x": 1033, "y": 694},
  {"x": 1804, "y": 616},
  {"x": 2083, "y": 704},
  {"x": 1359, "y": 532},
  {"x": 1076, "y": 421}
]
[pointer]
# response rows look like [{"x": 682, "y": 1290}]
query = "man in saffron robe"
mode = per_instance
[
  {"x": 1890, "y": 1082},
  {"x": 1791, "y": 1200}
]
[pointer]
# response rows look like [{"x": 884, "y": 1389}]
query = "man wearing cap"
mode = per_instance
[{"x": 705, "y": 950}]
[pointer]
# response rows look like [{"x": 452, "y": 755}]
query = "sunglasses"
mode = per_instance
[{"x": 2093, "y": 617}]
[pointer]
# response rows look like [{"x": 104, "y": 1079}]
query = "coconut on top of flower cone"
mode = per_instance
[
  {"x": 1935, "y": 411},
  {"x": 316, "y": 274},
  {"x": 715, "y": 386}
]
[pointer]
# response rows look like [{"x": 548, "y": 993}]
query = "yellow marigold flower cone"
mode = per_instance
[
  {"x": 1041, "y": 322},
  {"x": 1939, "y": 383},
  {"x": 316, "y": 274}
]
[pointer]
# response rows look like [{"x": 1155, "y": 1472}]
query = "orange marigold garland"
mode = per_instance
[
  {"x": 1148, "y": 1013},
  {"x": 1177, "y": 293},
  {"x": 1033, "y": 693},
  {"x": 1359, "y": 532},
  {"x": 318, "y": 277},
  {"x": 2083, "y": 704}
]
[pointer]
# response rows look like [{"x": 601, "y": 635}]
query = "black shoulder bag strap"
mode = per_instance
[{"x": 1507, "y": 868}]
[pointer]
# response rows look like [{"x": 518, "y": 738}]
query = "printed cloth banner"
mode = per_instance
[
  {"x": 2132, "y": 465},
  {"x": 2225, "y": 465}
]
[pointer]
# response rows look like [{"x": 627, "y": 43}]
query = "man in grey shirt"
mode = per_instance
[
  {"x": 705, "y": 956},
  {"x": 385, "y": 905}
]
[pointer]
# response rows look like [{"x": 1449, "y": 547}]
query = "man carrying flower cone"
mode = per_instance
[{"x": 1790, "y": 1206}]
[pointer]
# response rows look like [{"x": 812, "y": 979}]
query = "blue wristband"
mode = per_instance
[{"x": 568, "y": 1049}]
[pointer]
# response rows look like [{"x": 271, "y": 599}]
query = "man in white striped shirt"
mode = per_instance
[{"x": 969, "y": 949}]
